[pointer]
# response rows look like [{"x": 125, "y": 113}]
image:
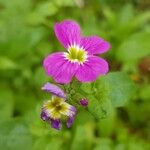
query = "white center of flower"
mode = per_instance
[{"x": 76, "y": 54}]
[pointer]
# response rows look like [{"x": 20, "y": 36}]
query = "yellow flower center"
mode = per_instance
[
  {"x": 76, "y": 54},
  {"x": 56, "y": 107}
]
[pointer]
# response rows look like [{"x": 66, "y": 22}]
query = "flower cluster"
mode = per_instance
[
  {"x": 79, "y": 61},
  {"x": 54, "y": 109}
]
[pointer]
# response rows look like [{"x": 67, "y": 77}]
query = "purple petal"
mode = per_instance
[
  {"x": 44, "y": 116},
  {"x": 70, "y": 121},
  {"x": 95, "y": 45},
  {"x": 91, "y": 69},
  {"x": 84, "y": 102},
  {"x": 68, "y": 32},
  {"x": 59, "y": 68},
  {"x": 73, "y": 109},
  {"x": 55, "y": 90},
  {"x": 56, "y": 124}
]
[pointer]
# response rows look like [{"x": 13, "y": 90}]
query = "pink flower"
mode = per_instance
[{"x": 79, "y": 60}]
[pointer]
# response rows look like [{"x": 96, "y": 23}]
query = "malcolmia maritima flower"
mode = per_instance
[
  {"x": 80, "y": 59},
  {"x": 53, "y": 110}
]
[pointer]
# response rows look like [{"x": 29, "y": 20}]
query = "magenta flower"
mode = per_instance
[{"x": 79, "y": 60}]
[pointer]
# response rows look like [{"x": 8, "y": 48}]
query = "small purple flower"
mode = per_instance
[
  {"x": 79, "y": 60},
  {"x": 54, "y": 109},
  {"x": 83, "y": 102},
  {"x": 55, "y": 90}
]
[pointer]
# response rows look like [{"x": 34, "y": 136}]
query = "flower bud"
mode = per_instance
[{"x": 83, "y": 102}]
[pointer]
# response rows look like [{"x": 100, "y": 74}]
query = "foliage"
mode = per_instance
[{"x": 26, "y": 37}]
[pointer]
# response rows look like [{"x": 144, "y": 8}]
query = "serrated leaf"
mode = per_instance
[
  {"x": 121, "y": 88},
  {"x": 99, "y": 103},
  {"x": 114, "y": 89},
  {"x": 99, "y": 107}
]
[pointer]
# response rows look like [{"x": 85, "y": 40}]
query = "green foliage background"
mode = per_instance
[{"x": 26, "y": 37}]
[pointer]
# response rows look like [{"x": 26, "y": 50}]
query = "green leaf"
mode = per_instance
[
  {"x": 83, "y": 118},
  {"x": 141, "y": 19},
  {"x": 99, "y": 107},
  {"x": 104, "y": 144},
  {"x": 121, "y": 88},
  {"x": 114, "y": 89},
  {"x": 47, "y": 143},
  {"x": 40, "y": 77},
  {"x": 97, "y": 94},
  {"x": 25, "y": 103},
  {"x": 110, "y": 16},
  {"x": 136, "y": 47},
  {"x": 14, "y": 135},
  {"x": 83, "y": 134},
  {"x": 61, "y": 3},
  {"x": 145, "y": 92},
  {"x": 6, "y": 63},
  {"x": 126, "y": 15},
  {"x": 6, "y": 103},
  {"x": 41, "y": 12},
  {"x": 107, "y": 126}
]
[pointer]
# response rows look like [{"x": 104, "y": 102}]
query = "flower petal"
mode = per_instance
[
  {"x": 68, "y": 32},
  {"x": 59, "y": 68},
  {"x": 91, "y": 69},
  {"x": 44, "y": 115},
  {"x": 69, "y": 109},
  {"x": 73, "y": 110},
  {"x": 56, "y": 124},
  {"x": 55, "y": 90},
  {"x": 95, "y": 45},
  {"x": 70, "y": 121}
]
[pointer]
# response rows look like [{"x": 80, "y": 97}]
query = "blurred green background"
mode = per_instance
[{"x": 26, "y": 37}]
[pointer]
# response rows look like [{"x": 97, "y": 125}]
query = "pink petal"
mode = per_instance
[
  {"x": 95, "y": 45},
  {"x": 91, "y": 69},
  {"x": 68, "y": 32},
  {"x": 60, "y": 69}
]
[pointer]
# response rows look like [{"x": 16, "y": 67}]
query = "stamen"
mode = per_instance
[
  {"x": 76, "y": 54},
  {"x": 56, "y": 107}
]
